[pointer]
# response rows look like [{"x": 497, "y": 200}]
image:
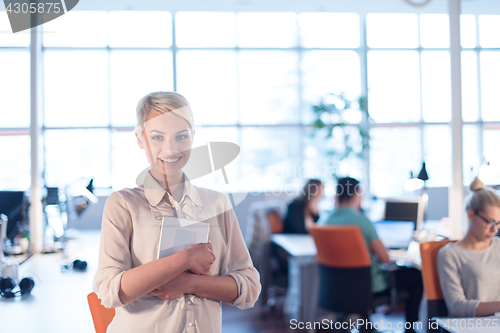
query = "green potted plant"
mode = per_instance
[{"x": 341, "y": 123}]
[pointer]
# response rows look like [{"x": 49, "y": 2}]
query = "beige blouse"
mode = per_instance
[{"x": 130, "y": 234}]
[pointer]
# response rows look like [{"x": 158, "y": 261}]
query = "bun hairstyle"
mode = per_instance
[
  {"x": 480, "y": 197},
  {"x": 476, "y": 185}
]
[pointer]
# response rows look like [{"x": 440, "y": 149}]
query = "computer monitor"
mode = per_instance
[
  {"x": 404, "y": 210},
  {"x": 14, "y": 204},
  {"x": 395, "y": 235}
]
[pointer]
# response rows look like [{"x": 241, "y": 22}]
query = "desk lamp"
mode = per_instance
[
  {"x": 485, "y": 173},
  {"x": 423, "y": 176},
  {"x": 417, "y": 183},
  {"x": 423, "y": 173},
  {"x": 414, "y": 184}
]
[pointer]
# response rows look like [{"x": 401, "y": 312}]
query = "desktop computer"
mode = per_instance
[{"x": 411, "y": 210}]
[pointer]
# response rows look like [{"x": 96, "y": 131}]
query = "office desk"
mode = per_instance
[
  {"x": 303, "y": 277},
  {"x": 410, "y": 257},
  {"x": 58, "y": 302},
  {"x": 489, "y": 324}
]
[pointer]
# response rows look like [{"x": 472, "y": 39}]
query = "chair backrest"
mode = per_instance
[
  {"x": 258, "y": 237},
  {"x": 257, "y": 223},
  {"x": 344, "y": 269},
  {"x": 258, "y": 231},
  {"x": 430, "y": 278},
  {"x": 340, "y": 246},
  {"x": 101, "y": 315}
]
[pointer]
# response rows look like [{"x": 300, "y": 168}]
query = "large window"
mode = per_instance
[
  {"x": 409, "y": 93},
  {"x": 14, "y": 109},
  {"x": 252, "y": 84}
]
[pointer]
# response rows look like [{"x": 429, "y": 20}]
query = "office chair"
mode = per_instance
[
  {"x": 344, "y": 270},
  {"x": 436, "y": 306},
  {"x": 258, "y": 241},
  {"x": 101, "y": 315}
]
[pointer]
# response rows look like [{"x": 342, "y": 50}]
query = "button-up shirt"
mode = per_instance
[{"x": 130, "y": 235}]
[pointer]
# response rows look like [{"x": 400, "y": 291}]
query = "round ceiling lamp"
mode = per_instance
[{"x": 417, "y": 3}]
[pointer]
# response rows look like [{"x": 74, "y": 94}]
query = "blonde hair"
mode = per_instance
[
  {"x": 161, "y": 102},
  {"x": 480, "y": 197}
]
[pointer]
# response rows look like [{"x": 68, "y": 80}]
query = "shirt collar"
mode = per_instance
[
  {"x": 191, "y": 191},
  {"x": 154, "y": 192}
]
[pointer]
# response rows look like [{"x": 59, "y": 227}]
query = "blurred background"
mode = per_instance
[{"x": 256, "y": 73}]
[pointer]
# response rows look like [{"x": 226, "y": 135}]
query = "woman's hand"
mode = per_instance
[
  {"x": 200, "y": 258},
  {"x": 173, "y": 288}
]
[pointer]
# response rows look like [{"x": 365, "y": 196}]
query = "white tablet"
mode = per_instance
[{"x": 178, "y": 234}]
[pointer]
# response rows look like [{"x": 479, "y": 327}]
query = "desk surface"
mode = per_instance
[
  {"x": 296, "y": 245},
  {"x": 303, "y": 246},
  {"x": 489, "y": 324},
  {"x": 58, "y": 302}
]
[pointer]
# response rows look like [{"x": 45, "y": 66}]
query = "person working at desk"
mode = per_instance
[
  {"x": 348, "y": 202},
  {"x": 303, "y": 210},
  {"x": 181, "y": 292},
  {"x": 469, "y": 269}
]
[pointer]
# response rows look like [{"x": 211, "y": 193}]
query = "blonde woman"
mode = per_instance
[
  {"x": 469, "y": 270},
  {"x": 182, "y": 292}
]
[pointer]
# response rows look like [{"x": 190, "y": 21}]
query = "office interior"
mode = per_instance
[{"x": 254, "y": 71}]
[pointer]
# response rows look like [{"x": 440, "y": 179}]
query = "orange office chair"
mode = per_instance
[
  {"x": 101, "y": 315},
  {"x": 436, "y": 306},
  {"x": 344, "y": 270}
]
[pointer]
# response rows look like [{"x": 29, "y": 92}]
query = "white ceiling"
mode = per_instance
[{"x": 359, "y": 6}]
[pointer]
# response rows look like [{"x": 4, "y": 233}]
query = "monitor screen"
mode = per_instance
[
  {"x": 403, "y": 211},
  {"x": 13, "y": 204},
  {"x": 395, "y": 235}
]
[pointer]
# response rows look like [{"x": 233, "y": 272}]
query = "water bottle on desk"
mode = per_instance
[
  {"x": 10, "y": 268},
  {"x": 3, "y": 234}
]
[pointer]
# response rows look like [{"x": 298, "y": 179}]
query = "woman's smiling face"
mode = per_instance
[{"x": 167, "y": 140}]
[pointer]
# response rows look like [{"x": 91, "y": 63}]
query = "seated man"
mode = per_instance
[{"x": 348, "y": 203}]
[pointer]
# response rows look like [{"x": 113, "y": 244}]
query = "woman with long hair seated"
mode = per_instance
[{"x": 303, "y": 210}]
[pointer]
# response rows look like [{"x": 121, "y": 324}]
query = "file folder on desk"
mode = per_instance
[{"x": 178, "y": 234}]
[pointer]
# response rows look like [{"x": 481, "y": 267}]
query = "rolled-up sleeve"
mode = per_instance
[
  {"x": 450, "y": 278},
  {"x": 114, "y": 253},
  {"x": 238, "y": 264}
]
